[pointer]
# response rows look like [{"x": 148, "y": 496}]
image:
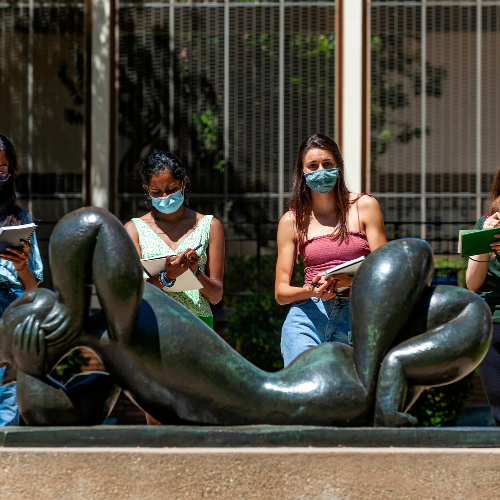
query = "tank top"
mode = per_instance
[
  {"x": 322, "y": 253},
  {"x": 153, "y": 246}
]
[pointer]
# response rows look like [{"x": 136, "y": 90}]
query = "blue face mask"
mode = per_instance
[
  {"x": 322, "y": 180},
  {"x": 168, "y": 204}
]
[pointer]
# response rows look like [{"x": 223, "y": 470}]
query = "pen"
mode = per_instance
[{"x": 198, "y": 246}]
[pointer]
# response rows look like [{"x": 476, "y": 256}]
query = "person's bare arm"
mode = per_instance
[
  {"x": 20, "y": 260},
  {"x": 134, "y": 236},
  {"x": 283, "y": 291},
  {"x": 371, "y": 217},
  {"x": 477, "y": 266},
  {"x": 213, "y": 277}
]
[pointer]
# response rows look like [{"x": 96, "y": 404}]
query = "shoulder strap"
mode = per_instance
[
  {"x": 357, "y": 207},
  {"x": 359, "y": 221}
]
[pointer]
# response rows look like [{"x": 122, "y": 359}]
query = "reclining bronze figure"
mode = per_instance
[{"x": 407, "y": 335}]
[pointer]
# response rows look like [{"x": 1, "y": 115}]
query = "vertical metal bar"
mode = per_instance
[
  {"x": 281, "y": 111},
  {"x": 226, "y": 108},
  {"x": 113, "y": 105},
  {"x": 338, "y": 71},
  {"x": 87, "y": 114},
  {"x": 479, "y": 32},
  {"x": 366, "y": 95},
  {"x": 423, "y": 165},
  {"x": 30, "y": 100},
  {"x": 171, "y": 86}
]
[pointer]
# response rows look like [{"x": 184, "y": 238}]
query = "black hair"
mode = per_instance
[
  {"x": 9, "y": 209},
  {"x": 159, "y": 162}
]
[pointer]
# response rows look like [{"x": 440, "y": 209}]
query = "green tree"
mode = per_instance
[{"x": 396, "y": 74}]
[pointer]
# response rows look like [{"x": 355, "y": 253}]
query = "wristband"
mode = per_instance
[
  {"x": 198, "y": 271},
  {"x": 164, "y": 282}
]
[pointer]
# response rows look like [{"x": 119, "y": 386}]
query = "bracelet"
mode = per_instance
[
  {"x": 164, "y": 282},
  {"x": 198, "y": 271},
  {"x": 22, "y": 268}
]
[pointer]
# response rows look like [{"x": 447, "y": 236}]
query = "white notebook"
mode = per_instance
[
  {"x": 11, "y": 236},
  {"x": 186, "y": 281},
  {"x": 350, "y": 267}
]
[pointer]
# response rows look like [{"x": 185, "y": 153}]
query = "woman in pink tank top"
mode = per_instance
[{"x": 326, "y": 225}]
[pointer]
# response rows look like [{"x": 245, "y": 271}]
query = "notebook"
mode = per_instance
[
  {"x": 186, "y": 281},
  {"x": 350, "y": 267},
  {"x": 476, "y": 241},
  {"x": 11, "y": 236}
]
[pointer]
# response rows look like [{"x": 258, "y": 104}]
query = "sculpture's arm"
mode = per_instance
[{"x": 86, "y": 399}]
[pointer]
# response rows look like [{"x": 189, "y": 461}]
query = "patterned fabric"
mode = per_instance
[
  {"x": 8, "y": 273},
  {"x": 153, "y": 246}
]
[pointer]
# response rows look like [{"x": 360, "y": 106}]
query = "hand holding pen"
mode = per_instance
[
  {"x": 175, "y": 265},
  {"x": 193, "y": 258},
  {"x": 324, "y": 288}
]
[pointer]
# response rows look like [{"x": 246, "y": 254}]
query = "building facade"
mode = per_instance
[{"x": 408, "y": 89}]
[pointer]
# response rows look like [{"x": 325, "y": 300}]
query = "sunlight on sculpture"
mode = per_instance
[{"x": 407, "y": 335}]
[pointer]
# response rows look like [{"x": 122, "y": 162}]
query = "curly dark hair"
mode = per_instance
[
  {"x": 159, "y": 162},
  {"x": 300, "y": 197}
]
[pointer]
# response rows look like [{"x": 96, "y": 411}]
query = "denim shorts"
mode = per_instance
[
  {"x": 9, "y": 413},
  {"x": 312, "y": 322}
]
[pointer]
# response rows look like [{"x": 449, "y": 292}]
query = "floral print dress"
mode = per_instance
[{"x": 153, "y": 246}]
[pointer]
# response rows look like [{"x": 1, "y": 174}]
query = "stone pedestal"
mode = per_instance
[
  {"x": 102, "y": 463},
  {"x": 249, "y": 473}
]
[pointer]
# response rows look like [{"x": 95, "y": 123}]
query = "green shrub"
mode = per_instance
[
  {"x": 242, "y": 276},
  {"x": 255, "y": 330},
  {"x": 442, "y": 406}
]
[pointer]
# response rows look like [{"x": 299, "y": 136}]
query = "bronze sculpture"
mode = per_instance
[{"x": 407, "y": 336}]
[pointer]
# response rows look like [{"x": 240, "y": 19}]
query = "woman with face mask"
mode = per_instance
[
  {"x": 326, "y": 225},
  {"x": 20, "y": 270},
  {"x": 194, "y": 240}
]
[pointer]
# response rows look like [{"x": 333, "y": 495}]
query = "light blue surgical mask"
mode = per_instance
[
  {"x": 322, "y": 181},
  {"x": 168, "y": 204}
]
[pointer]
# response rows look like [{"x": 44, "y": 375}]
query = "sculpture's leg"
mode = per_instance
[
  {"x": 91, "y": 245},
  {"x": 440, "y": 356},
  {"x": 392, "y": 392}
]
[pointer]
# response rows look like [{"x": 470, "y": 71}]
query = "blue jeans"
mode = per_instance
[
  {"x": 9, "y": 413},
  {"x": 312, "y": 322}
]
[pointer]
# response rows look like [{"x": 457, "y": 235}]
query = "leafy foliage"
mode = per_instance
[
  {"x": 442, "y": 406},
  {"x": 255, "y": 330},
  {"x": 396, "y": 73},
  {"x": 69, "y": 366}
]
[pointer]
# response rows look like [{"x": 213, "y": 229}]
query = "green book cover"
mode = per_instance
[{"x": 476, "y": 241}]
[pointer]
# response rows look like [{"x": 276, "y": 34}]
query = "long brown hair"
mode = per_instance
[
  {"x": 493, "y": 203},
  {"x": 300, "y": 198}
]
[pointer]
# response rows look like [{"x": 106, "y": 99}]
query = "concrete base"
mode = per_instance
[{"x": 248, "y": 473}]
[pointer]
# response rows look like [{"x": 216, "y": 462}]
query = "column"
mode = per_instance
[
  {"x": 100, "y": 109},
  {"x": 351, "y": 89}
]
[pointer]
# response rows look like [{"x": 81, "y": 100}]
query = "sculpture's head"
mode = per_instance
[{"x": 43, "y": 305}]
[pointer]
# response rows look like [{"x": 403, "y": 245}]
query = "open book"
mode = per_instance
[
  {"x": 350, "y": 267},
  {"x": 11, "y": 236},
  {"x": 186, "y": 281}
]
